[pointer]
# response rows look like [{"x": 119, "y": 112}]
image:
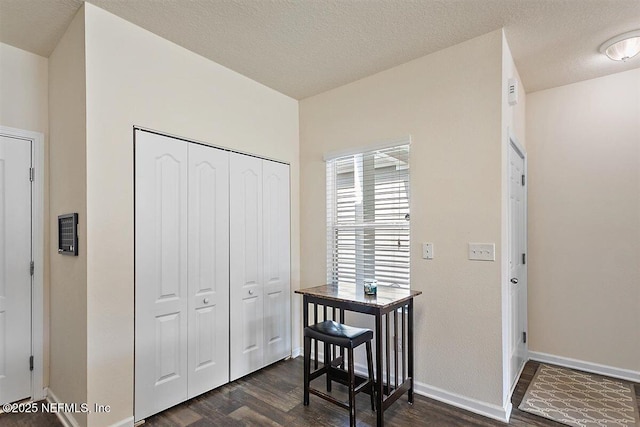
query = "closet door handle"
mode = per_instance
[
  {"x": 250, "y": 291},
  {"x": 206, "y": 300}
]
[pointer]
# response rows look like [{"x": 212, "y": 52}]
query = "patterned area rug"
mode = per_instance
[{"x": 580, "y": 399}]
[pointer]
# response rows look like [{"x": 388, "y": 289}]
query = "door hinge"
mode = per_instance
[
  {"x": 32, "y": 268},
  {"x": 524, "y": 259},
  {"x": 31, "y": 363},
  {"x": 32, "y": 174},
  {"x": 523, "y": 180},
  {"x": 524, "y": 337}
]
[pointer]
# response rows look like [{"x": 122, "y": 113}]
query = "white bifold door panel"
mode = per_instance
[
  {"x": 160, "y": 273},
  {"x": 246, "y": 275},
  {"x": 260, "y": 263},
  {"x": 208, "y": 274},
  {"x": 276, "y": 265},
  {"x": 15, "y": 278},
  {"x": 182, "y": 271}
]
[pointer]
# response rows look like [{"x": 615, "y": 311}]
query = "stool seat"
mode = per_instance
[{"x": 338, "y": 334}]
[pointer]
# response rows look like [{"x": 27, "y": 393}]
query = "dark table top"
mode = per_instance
[{"x": 348, "y": 292}]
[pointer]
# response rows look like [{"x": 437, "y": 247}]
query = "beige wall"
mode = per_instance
[
  {"x": 24, "y": 99},
  {"x": 68, "y": 299},
  {"x": 584, "y": 220},
  {"x": 137, "y": 78},
  {"x": 450, "y": 104},
  {"x": 23, "y": 89}
]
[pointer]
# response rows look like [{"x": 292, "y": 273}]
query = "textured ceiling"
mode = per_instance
[{"x": 304, "y": 47}]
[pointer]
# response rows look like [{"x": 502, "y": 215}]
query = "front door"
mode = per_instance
[
  {"x": 15, "y": 271},
  {"x": 517, "y": 260}
]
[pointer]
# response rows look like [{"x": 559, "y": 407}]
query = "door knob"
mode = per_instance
[
  {"x": 514, "y": 280},
  {"x": 206, "y": 301},
  {"x": 250, "y": 291}
]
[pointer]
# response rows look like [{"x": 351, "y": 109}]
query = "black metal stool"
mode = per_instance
[{"x": 337, "y": 334}]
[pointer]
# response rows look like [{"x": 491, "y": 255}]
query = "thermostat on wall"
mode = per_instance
[{"x": 68, "y": 234}]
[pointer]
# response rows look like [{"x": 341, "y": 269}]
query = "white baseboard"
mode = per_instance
[
  {"x": 581, "y": 365},
  {"x": 296, "y": 352},
  {"x": 515, "y": 384},
  {"x": 127, "y": 422},
  {"x": 459, "y": 401},
  {"x": 67, "y": 419},
  {"x": 473, "y": 405}
]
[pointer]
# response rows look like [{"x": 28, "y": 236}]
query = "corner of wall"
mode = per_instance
[{"x": 67, "y": 173}]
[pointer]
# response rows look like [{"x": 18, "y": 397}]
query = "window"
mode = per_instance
[{"x": 368, "y": 217}]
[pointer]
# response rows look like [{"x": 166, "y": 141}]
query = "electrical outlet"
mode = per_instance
[
  {"x": 427, "y": 250},
  {"x": 482, "y": 251}
]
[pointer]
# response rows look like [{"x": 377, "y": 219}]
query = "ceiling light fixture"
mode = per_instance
[{"x": 622, "y": 47}]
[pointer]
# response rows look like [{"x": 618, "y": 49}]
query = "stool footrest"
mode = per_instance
[
  {"x": 328, "y": 397},
  {"x": 342, "y": 377},
  {"x": 363, "y": 382}
]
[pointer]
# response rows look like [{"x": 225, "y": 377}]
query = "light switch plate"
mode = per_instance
[
  {"x": 427, "y": 250},
  {"x": 482, "y": 251}
]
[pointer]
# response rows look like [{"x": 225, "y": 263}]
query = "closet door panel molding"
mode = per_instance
[
  {"x": 161, "y": 273},
  {"x": 246, "y": 267},
  {"x": 277, "y": 287},
  {"x": 208, "y": 275}
]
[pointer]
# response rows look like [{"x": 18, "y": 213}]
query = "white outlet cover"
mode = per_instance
[
  {"x": 482, "y": 251},
  {"x": 427, "y": 250}
]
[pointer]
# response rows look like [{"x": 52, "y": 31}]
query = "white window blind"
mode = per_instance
[{"x": 368, "y": 217}]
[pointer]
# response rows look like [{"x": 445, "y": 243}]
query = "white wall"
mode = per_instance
[
  {"x": 584, "y": 220},
  {"x": 24, "y": 98},
  {"x": 450, "y": 103},
  {"x": 137, "y": 78},
  {"x": 68, "y": 300}
]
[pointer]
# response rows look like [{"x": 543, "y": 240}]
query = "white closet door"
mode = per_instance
[
  {"x": 246, "y": 284},
  {"x": 277, "y": 287},
  {"x": 208, "y": 268},
  {"x": 161, "y": 273}
]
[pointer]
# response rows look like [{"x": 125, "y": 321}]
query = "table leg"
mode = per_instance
[
  {"x": 305, "y": 316},
  {"x": 379, "y": 383},
  {"x": 410, "y": 355},
  {"x": 305, "y": 311}
]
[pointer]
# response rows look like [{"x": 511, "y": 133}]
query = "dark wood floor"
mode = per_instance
[{"x": 273, "y": 397}]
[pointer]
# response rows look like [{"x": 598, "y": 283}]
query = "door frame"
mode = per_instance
[
  {"x": 36, "y": 140},
  {"x": 507, "y": 387}
]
